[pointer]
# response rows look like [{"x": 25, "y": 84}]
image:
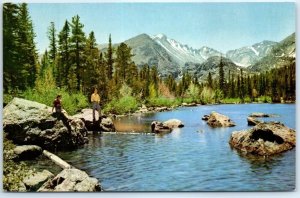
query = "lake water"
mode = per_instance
[{"x": 193, "y": 158}]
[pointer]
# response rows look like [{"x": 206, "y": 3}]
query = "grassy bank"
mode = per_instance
[
  {"x": 74, "y": 102},
  {"x": 13, "y": 172}
]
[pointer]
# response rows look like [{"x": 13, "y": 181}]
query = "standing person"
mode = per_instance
[{"x": 95, "y": 99}]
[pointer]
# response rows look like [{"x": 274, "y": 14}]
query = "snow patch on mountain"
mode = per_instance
[{"x": 254, "y": 50}]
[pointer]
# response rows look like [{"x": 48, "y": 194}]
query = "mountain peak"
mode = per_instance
[{"x": 159, "y": 36}]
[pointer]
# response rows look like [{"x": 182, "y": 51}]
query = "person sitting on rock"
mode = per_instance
[
  {"x": 95, "y": 99},
  {"x": 57, "y": 104}
]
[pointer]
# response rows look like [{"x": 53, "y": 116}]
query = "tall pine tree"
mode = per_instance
[
  {"x": 64, "y": 52},
  {"x": 77, "y": 44},
  {"x": 109, "y": 59}
]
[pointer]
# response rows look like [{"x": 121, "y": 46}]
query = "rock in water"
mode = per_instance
[
  {"x": 264, "y": 139},
  {"x": 35, "y": 181},
  {"x": 205, "y": 117},
  {"x": 103, "y": 124},
  {"x": 252, "y": 121},
  {"x": 173, "y": 123},
  {"x": 159, "y": 127},
  {"x": 28, "y": 122},
  {"x": 259, "y": 114},
  {"x": 167, "y": 126},
  {"x": 71, "y": 180},
  {"x": 26, "y": 152},
  {"x": 218, "y": 120}
]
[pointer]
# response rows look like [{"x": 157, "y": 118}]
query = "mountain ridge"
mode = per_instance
[{"x": 173, "y": 57}]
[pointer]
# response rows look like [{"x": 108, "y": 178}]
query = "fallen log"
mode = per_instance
[{"x": 57, "y": 160}]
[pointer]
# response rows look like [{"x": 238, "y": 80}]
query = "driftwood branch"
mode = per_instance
[{"x": 63, "y": 164}]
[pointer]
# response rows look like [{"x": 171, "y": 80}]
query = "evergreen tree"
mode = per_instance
[
  {"x": 20, "y": 63},
  {"x": 57, "y": 70},
  {"x": 221, "y": 76},
  {"x": 10, "y": 46},
  {"x": 77, "y": 44},
  {"x": 242, "y": 86},
  {"x": 64, "y": 52},
  {"x": 209, "y": 80},
  {"x": 91, "y": 70},
  {"x": 123, "y": 61},
  {"x": 53, "y": 42},
  {"x": 232, "y": 90},
  {"x": 27, "y": 54},
  {"x": 109, "y": 59}
]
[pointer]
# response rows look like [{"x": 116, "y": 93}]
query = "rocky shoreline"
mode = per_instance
[{"x": 34, "y": 128}]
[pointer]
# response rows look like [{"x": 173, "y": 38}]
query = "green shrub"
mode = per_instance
[
  {"x": 207, "y": 95},
  {"x": 162, "y": 101},
  {"x": 126, "y": 104},
  {"x": 70, "y": 102}
]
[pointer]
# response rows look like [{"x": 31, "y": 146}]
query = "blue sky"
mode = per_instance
[{"x": 222, "y": 26}]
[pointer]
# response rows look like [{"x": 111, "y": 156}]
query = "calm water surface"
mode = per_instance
[{"x": 193, "y": 158}]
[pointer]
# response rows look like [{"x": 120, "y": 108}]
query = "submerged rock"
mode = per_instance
[
  {"x": 218, "y": 120},
  {"x": 35, "y": 181},
  {"x": 104, "y": 123},
  {"x": 28, "y": 122},
  {"x": 71, "y": 180},
  {"x": 205, "y": 117},
  {"x": 264, "y": 139},
  {"x": 259, "y": 114},
  {"x": 26, "y": 152}
]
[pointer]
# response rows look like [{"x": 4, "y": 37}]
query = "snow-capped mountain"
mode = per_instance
[
  {"x": 183, "y": 53},
  {"x": 249, "y": 55},
  {"x": 173, "y": 57},
  {"x": 281, "y": 54}
]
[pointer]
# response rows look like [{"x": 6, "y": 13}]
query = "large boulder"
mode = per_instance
[
  {"x": 71, "y": 180},
  {"x": 159, "y": 127},
  {"x": 218, "y": 120},
  {"x": 27, "y": 152},
  {"x": 35, "y": 181},
  {"x": 173, "y": 123},
  {"x": 167, "y": 126},
  {"x": 264, "y": 139},
  {"x": 105, "y": 123},
  {"x": 28, "y": 122}
]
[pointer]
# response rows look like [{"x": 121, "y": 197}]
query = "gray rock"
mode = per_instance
[
  {"x": 218, "y": 120},
  {"x": 159, "y": 127},
  {"x": 35, "y": 181},
  {"x": 26, "y": 152},
  {"x": 167, "y": 126},
  {"x": 259, "y": 114},
  {"x": 28, "y": 122},
  {"x": 173, "y": 123},
  {"x": 105, "y": 123},
  {"x": 71, "y": 180},
  {"x": 252, "y": 121},
  {"x": 205, "y": 117},
  {"x": 264, "y": 139}
]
